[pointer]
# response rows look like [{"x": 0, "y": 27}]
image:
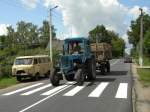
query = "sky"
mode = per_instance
[{"x": 74, "y": 17}]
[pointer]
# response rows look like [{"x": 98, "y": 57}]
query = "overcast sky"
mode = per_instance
[{"x": 73, "y": 17}]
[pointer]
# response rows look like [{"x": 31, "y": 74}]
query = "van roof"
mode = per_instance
[{"x": 36, "y": 56}]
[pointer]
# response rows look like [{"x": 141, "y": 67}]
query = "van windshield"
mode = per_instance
[{"x": 24, "y": 61}]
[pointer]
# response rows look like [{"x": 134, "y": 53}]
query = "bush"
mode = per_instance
[{"x": 5, "y": 70}]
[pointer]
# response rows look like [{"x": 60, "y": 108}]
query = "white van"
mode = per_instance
[{"x": 31, "y": 66}]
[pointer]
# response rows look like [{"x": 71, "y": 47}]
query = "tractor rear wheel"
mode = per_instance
[
  {"x": 54, "y": 78},
  {"x": 91, "y": 69},
  {"x": 79, "y": 77},
  {"x": 102, "y": 69}
]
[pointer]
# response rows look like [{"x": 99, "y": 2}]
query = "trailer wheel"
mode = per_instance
[
  {"x": 54, "y": 78},
  {"x": 108, "y": 66},
  {"x": 79, "y": 77},
  {"x": 91, "y": 70},
  {"x": 102, "y": 69}
]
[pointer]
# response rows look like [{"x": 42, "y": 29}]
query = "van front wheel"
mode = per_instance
[{"x": 19, "y": 78}]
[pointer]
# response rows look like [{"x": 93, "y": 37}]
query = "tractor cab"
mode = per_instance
[
  {"x": 73, "y": 46},
  {"x": 75, "y": 51}
]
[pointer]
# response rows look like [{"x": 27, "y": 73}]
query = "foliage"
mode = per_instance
[
  {"x": 147, "y": 42},
  {"x": 27, "y": 39},
  {"x": 134, "y": 35},
  {"x": 100, "y": 33},
  {"x": 118, "y": 46},
  {"x": 44, "y": 33}
]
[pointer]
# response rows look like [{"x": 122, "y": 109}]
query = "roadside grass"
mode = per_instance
[
  {"x": 146, "y": 61},
  {"x": 144, "y": 76},
  {"x": 7, "y": 81}
]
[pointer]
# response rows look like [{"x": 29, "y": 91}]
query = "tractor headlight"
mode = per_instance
[{"x": 74, "y": 64}]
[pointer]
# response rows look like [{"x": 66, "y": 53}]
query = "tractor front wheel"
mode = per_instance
[
  {"x": 79, "y": 77},
  {"x": 54, "y": 78}
]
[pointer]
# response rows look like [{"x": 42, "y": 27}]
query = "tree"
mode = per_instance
[
  {"x": 147, "y": 42},
  {"x": 11, "y": 36},
  {"x": 100, "y": 33},
  {"x": 134, "y": 33},
  {"x": 27, "y": 33},
  {"x": 118, "y": 46},
  {"x": 44, "y": 33},
  {"x": 3, "y": 41}
]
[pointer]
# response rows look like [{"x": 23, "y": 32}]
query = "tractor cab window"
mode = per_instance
[{"x": 75, "y": 48}]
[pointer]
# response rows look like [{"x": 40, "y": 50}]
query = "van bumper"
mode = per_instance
[{"x": 24, "y": 75}]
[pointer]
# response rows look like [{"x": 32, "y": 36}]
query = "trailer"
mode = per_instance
[{"x": 102, "y": 53}]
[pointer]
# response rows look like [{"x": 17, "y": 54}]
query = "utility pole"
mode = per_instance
[
  {"x": 50, "y": 36},
  {"x": 141, "y": 39}
]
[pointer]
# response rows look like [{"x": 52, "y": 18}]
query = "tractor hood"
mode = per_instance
[{"x": 67, "y": 61}]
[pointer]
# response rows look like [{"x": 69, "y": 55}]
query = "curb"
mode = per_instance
[{"x": 134, "y": 95}]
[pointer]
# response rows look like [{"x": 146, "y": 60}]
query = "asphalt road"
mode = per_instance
[{"x": 109, "y": 93}]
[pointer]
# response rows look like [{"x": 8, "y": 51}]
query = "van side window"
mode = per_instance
[{"x": 35, "y": 61}]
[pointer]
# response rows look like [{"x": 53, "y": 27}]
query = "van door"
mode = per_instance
[
  {"x": 47, "y": 65},
  {"x": 36, "y": 66},
  {"x": 43, "y": 66},
  {"x": 40, "y": 66}
]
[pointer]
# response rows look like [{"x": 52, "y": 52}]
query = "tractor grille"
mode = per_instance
[{"x": 65, "y": 61}]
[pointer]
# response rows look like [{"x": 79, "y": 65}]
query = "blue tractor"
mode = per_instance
[{"x": 77, "y": 62}]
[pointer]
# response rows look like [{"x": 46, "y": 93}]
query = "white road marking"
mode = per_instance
[
  {"x": 36, "y": 90},
  {"x": 122, "y": 90},
  {"x": 76, "y": 90},
  {"x": 22, "y": 89},
  {"x": 98, "y": 90},
  {"x": 27, "y": 108},
  {"x": 57, "y": 89},
  {"x": 115, "y": 62}
]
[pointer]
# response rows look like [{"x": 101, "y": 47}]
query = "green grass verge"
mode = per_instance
[
  {"x": 146, "y": 61},
  {"x": 7, "y": 81},
  {"x": 144, "y": 76}
]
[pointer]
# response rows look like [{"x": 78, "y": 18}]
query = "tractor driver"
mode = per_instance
[{"x": 76, "y": 48}]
